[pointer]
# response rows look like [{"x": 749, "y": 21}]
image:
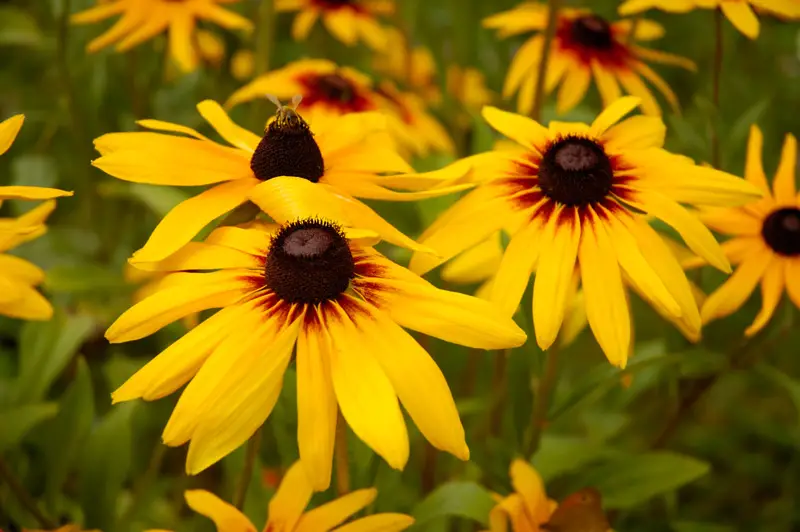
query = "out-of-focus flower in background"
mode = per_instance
[{"x": 585, "y": 45}]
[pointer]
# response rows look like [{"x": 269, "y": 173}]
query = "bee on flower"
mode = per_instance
[{"x": 585, "y": 46}]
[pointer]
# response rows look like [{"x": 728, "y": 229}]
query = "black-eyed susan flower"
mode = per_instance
[
  {"x": 412, "y": 67},
  {"x": 350, "y": 21},
  {"x": 18, "y": 277},
  {"x": 739, "y": 12},
  {"x": 343, "y": 306},
  {"x": 468, "y": 86},
  {"x": 577, "y": 192},
  {"x": 141, "y": 20},
  {"x": 765, "y": 243},
  {"x": 529, "y": 509},
  {"x": 345, "y": 157},
  {"x": 585, "y": 45},
  {"x": 287, "y": 510}
]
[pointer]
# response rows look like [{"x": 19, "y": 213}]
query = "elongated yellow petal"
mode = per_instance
[
  {"x": 515, "y": 268},
  {"x": 732, "y": 221},
  {"x": 342, "y": 24},
  {"x": 28, "y": 304},
  {"x": 475, "y": 264},
  {"x": 9, "y": 129},
  {"x": 792, "y": 278},
  {"x": 254, "y": 241},
  {"x": 225, "y": 516},
  {"x": 202, "y": 256},
  {"x": 735, "y": 291},
  {"x": 195, "y": 292},
  {"x": 527, "y": 483},
  {"x": 559, "y": 241},
  {"x": 160, "y": 125},
  {"x": 522, "y": 64},
  {"x": 784, "y": 185},
  {"x": 753, "y": 169},
  {"x": 230, "y": 131},
  {"x": 225, "y": 18},
  {"x": 316, "y": 402},
  {"x": 741, "y": 15},
  {"x": 635, "y": 133},
  {"x": 181, "y": 44},
  {"x": 378, "y": 523},
  {"x": 606, "y": 83},
  {"x": 98, "y": 13},
  {"x": 634, "y": 85},
  {"x": 21, "y": 269},
  {"x": 290, "y": 500},
  {"x": 673, "y": 6},
  {"x": 31, "y": 193},
  {"x": 606, "y": 301},
  {"x": 573, "y": 89},
  {"x": 659, "y": 83},
  {"x": 365, "y": 394},
  {"x": 302, "y": 24},
  {"x": 613, "y": 114},
  {"x": 184, "y": 221},
  {"x": 521, "y": 129},
  {"x": 330, "y": 515},
  {"x": 772, "y": 284}
]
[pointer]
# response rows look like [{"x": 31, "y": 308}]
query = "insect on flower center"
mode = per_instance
[
  {"x": 575, "y": 171},
  {"x": 309, "y": 261},
  {"x": 593, "y": 32},
  {"x": 781, "y": 231},
  {"x": 288, "y": 148}
]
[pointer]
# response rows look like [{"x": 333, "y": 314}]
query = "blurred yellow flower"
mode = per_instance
[
  {"x": 416, "y": 72},
  {"x": 344, "y": 157},
  {"x": 468, "y": 86},
  {"x": 342, "y": 304},
  {"x": 766, "y": 239},
  {"x": 577, "y": 192},
  {"x": 585, "y": 45},
  {"x": 739, "y": 12},
  {"x": 141, "y": 20},
  {"x": 287, "y": 510},
  {"x": 18, "y": 277},
  {"x": 349, "y": 21},
  {"x": 243, "y": 64},
  {"x": 331, "y": 91}
]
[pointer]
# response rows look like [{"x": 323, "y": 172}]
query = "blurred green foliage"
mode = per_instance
[{"x": 733, "y": 464}]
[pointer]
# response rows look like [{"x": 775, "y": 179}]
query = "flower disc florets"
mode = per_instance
[
  {"x": 336, "y": 88},
  {"x": 309, "y": 261},
  {"x": 575, "y": 171},
  {"x": 288, "y": 148},
  {"x": 781, "y": 231},
  {"x": 593, "y": 32}
]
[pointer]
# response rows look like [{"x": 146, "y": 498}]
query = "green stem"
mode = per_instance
[
  {"x": 715, "y": 86},
  {"x": 341, "y": 457},
  {"x": 547, "y": 385},
  {"x": 264, "y": 39},
  {"x": 549, "y": 34},
  {"x": 499, "y": 386},
  {"x": 142, "y": 485},
  {"x": 22, "y": 495},
  {"x": 247, "y": 471}
]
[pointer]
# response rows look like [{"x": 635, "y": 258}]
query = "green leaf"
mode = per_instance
[
  {"x": 18, "y": 421},
  {"x": 63, "y": 436},
  {"x": 18, "y": 28},
  {"x": 739, "y": 130},
  {"x": 105, "y": 464},
  {"x": 461, "y": 499},
  {"x": 45, "y": 349},
  {"x": 159, "y": 199},
  {"x": 784, "y": 381},
  {"x": 628, "y": 481},
  {"x": 558, "y": 455},
  {"x": 84, "y": 278},
  {"x": 695, "y": 526}
]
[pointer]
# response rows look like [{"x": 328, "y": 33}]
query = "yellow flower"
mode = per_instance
[
  {"x": 286, "y": 510},
  {"x": 766, "y": 239},
  {"x": 577, "y": 193},
  {"x": 417, "y": 72},
  {"x": 468, "y": 86},
  {"x": 243, "y": 64},
  {"x": 585, "y": 46},
  {"x": 739, "y": 12},
  {"x": 18, "y": 297},
  {"x": 343, "y": 156},
  {"x": 141, "y": 20},
  {"x": 342, "y": 304},
  {"x": 348, "y": 20}
]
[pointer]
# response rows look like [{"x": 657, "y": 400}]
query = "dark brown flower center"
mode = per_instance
[
  {"x": 288, "y": 148},
  {"x": 309, "y": 262},
  {"x": 575, "y": 171},
  {"x": 336, "y": 88},
  {"x": 593, "y": 32},
  {"x": 781, "y": 231}
]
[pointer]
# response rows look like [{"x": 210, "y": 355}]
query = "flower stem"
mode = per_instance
[
  {"x": 499, "y": 386},
  {"x": 22, "y": 495},
  {"x": 341, "y": 457},
  {"x": 549, "y": 33},
  {"x": 143, "y": 483},
  {"x": 265, "y": 31},
  {"x": 247, "y": 471},
  {"x": 716, "y": 74},
  {"x": 545, "y": 389}
]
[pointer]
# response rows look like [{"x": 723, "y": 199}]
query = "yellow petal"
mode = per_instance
[
  {"x": 741, "y": 15},
  {"x": 190, "y": 216},
  {"x": 522, "y": 64},
  {"x": 31, "y": 193},
  {"x": 792, "y": 278},
  {"x": 527, "y": 482},
  {"x": 21, "y": 269},
  {"x": 342, "y": 24},
  {"x": 330, "y": 515},
  {"x": 236, "y": 135},
  {"x": 515, "y": 269},
  {"x": 636, "y": 132},
  {"x": 522, "y": 129},
  {"x": 606, "y": 83},
  {"x": 9, "y": 129},
  {"x": 27, "y": 305},
  {"x": 316, "y": 403},
  {"x": 254, "y": 242},
  {"x": 475, "y": 264},
  {"x": 226, "y": 19},
  {"x": 418, "y": 382},
  {"x": 772, "y": 284},
  {"x": 225, "y": 516},
  {"x": 735, "y": 291},
  {"x": 784, "y": 186},
  {"x": 613, "y": 114},
  {"x": 606, "y": 301},
  {"x": 378, "y": 523},
  {"x": 98, "y": 13},
  {"x": 290, "y": 500},
  {"x": 659, "y": 83},
  {"x": 203, "y": 256},
  {"x": 195, "y": 292},
  {"x": 634, "y": 85},
  {"x": 753, "y": 169},
  {"x": 560, "y": 239},
  {"x": 302, "y": 24},
  {"x": 160, "y": 125},
  {"x": 673, "y": 6},
  {"x": 365, "y": 394},
  {"x": 181, "y": 43},
  {"x": 573, "y": 89}
]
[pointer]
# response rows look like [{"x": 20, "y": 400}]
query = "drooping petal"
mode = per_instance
[
  {"x": 28, "y": 304},
  {"x": 332, "y": 514},
  {"x": 784, "y": 187},
  {"x": 741, "y": 15},
  {"x": 515, "y": 268},
  {"x": 21, "y": 269},
  {"x": 613, "y": 114},
  {"x": 31, "y": 193},
  {"x": 342, "y": 24},
  {"x": 753, "y": 169},
  {"x": 792, "y": 278},
  {"x": 735, "y": 291},
  {"x": 288, "y": 503},
  {"x": 9, "y": 129},
  {"x": 181, "y": 45},
  {"x": 634, "y": 85},
  {"x": 385, "y": 522},
  {"x": 227, "y": 128},
  {"x": 573, "y": 89},
  {"x": 526, "y": 58},
  {"x": 476, "y": 264},
  {"x": 225, "y": 516},
  {"x": 203, "y": 256},
  {"x": 606, "y": 83},
  {"x": 302, "y": 24},
  {"x": 772, "y": 284}
]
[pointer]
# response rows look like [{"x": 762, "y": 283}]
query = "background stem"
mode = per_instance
[
  {"x": 543, "y": 393},
  {"x": 341, "y": 457},
  {"x": 549, "y": 33},
  {"x": 253, "y": 445},
  {"x": 715, "y": 83},
  {"x": 22, "y": 495}
]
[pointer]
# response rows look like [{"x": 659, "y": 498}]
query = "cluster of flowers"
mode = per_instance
[{"x": 303, "y": 281}]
